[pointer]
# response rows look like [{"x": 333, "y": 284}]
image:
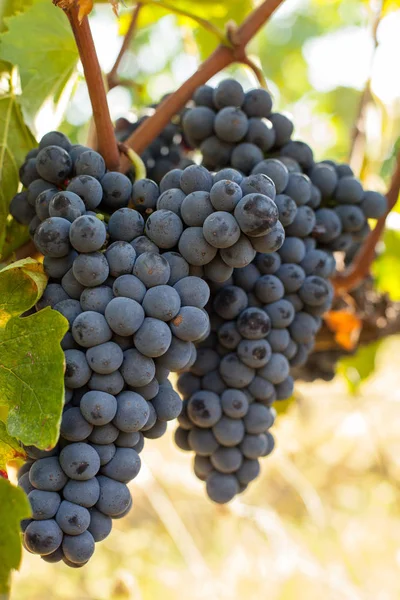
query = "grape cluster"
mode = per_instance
[
  {"x": 222, "y": 277},
  {"x": 133, "y": 316},
  {"x": 264, "y": 320}
]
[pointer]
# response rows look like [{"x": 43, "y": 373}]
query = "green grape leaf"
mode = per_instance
[
  {"x": 14, "y": 506},
  {"x": 21, "y": 285},
  {"x": 31, "y": 358},
  {"x": 386, "y": 266},
  {"x": 15, "y": 141},
  {"x": 31, "y": 376},
  {"x": 357, "y": 368},
  {"x": 40, "y": 42},
  {"x": 10, "y": 449}
]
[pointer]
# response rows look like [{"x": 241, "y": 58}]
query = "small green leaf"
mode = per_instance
[
  {"x": 21, "y": 285},
  {"x": 40, "y": 42},
  {"x": 31, "y": 376},
  {"x": 387, "y": 265},
  {"x": 357, "y": 368},
  {"x": 15, "y": 141},
  {"x": 10, "y": 449},
  {"x": 14, "y": 506}
]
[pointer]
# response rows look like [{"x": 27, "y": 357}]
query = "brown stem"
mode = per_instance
[
  {"x": 218, "y": 60},
  {"x": 361, "y": 264},
  {"x": 358, "y": 134},
  {"x": 257, "y": 72},
  {"x": 94, "y": 80},
  {"x": 112, "y": 78}
]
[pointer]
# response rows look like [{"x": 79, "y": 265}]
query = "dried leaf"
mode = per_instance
[
  {"x": 85, "y": 8},
  {"x": 346, "y": 326}
]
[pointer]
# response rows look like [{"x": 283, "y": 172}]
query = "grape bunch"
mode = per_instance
[
  {"x": 221, "y": 276},
  {"x": 264, "y": 321},
  {"x": 133, "y": 316}
]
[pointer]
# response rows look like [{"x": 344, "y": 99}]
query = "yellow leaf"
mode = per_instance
[{"x": 346, "y": 326}]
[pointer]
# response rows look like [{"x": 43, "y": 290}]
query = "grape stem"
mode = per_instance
[
  {"x": 257, "y": 72},
  {"x": 358, "y": 135},
  {"x": 218, "y": 60},
  {"x": 112, "y": 78},
  {"x": 360, "y": 267},
  {"x": 105, "y": 132}
]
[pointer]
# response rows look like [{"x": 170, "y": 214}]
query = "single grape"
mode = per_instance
[
  {"x": 43, "y": 537},
  {"x": 126, "y": 224},
  {"x": 228, "y": 92},
  {"x": 54, "y": 164},
  {"x": 90, "y": 328},
  {"x": 152, "y": 269},
  {"x": 52, "y": 237},
  {"x": 136, "y": 369},
  {"x": 117, "y": 190},
  {"x": 90, "y": 163},
  {"x": 88, "y": 189},
  {"x": 87, "y": 234},
  {"x": 124, "y": 315},
  {"x": 164, "y": 228}
]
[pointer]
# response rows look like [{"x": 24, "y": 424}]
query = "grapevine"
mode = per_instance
[{"x": 195, "y": 294}]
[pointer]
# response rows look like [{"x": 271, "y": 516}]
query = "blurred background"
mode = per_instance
[{"x": 323, "y": 518}]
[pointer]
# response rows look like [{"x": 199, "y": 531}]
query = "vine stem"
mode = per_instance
[
  {"x": 257, "y": 72},
  {"x": 112, "y": 77},
  {"x": 358, "y": 135},
  {"x": 218, "y": 60},
  {"x": 360, "y": 267},
  {"x": 105, "y": 133}
]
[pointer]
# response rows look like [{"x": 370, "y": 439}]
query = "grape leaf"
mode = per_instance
[
  {"x": 15, "y": 141},
  {"x": 31, "y": 376},
  {"x": 9, "y": 449},
  {"x": 21, "y": 285},
  {"x": 45, "y": 54},
  {"x": 31, "y": 358},
  {"x": 14, "y": 506}
]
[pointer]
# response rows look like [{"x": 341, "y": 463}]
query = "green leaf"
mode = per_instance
[
  {"x": 32, "y": 376},
  {"x": 11, "y": 7},
  {"x": 15, "y": 141},
  {"x": 357, "y": 368},
  {"x": 40, "y": 42},
  {"x": 31, "y": 358},
  {"x": 10, "y": 449},
  {"x": 14, "y": 506},
  {"x": 21, "y": 285},
  {"x": 15, "y": 236},
  {"x": 386, "y": 267}
]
